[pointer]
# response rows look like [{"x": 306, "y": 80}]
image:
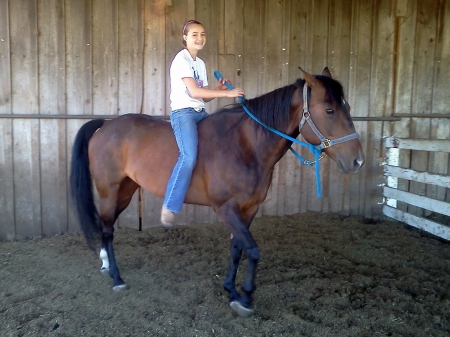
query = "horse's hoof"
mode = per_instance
[
  {"x": 120, "y": 287},
  {"x": 104, "y": 271},
  {"x": 241, "y": 310}
]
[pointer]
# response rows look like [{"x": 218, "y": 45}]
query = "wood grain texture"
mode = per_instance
[{"x": 103, "y": 57}]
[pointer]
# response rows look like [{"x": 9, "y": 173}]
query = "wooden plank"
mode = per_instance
[
  {"x": 406, "y": 31},
  {"x": 78, "y": 20},
  {"x": 27, "y": 201},
  {"x": 380, "y": 99},
  {"x": 440, "y": 127},
  {"x": 441, "y": 63},
  {"x": 24, "y": 57},
  {"x": 423, "y": 177},
  {"x": 105, "y": 75},
  {"x": 403, "y": 78},
  {"x": 438, "y": 162},
  {"x": 52, "y": 132},
  {"x": 7, "y": 225},
  {"x": 420, "y": 223},
  {"x": 7, "y": 221},
  {"x": 442, "y": 145},
  {"x": 359, "y": 97},
  {"x": 229, "y": 27},
  {"x": 54, "y": 182},
  {"x": 24, "y": 85},
  {"x": 151, "y": 210},
  {"x": 130, "y": 216},
  {"x": 226, "y": 66},
  {"x": 131, "y": 49},
  {"x": 5, "y": 60},
  {"x": 437, "y": 206},
  {"x": 154, "y": 58},
  {"x": 78, "y": 57},
  {"x": 424, "y": 52}
]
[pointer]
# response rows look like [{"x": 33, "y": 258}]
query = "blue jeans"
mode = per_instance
[{"x": 184, "y": 125}]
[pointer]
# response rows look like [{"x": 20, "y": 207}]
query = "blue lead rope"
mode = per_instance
[{"x": 313, "y": 148}]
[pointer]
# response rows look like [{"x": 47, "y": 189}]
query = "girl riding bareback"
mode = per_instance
[{"x": 188, "y": 93}]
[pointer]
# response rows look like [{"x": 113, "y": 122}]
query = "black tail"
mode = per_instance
[{"x": 81, "y": 183}]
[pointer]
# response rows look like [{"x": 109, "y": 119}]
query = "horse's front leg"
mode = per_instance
[
  {"x": 241, "y": 240},
  {"x": 230, "y": 280}
]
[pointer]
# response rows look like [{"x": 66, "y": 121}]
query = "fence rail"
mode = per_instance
[{"x": 392, "y": 194}]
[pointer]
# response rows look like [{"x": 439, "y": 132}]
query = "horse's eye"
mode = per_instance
[{"x": 330, "y": 111}]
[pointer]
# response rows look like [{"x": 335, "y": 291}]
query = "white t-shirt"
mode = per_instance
[{"x": 184, "y": 66}]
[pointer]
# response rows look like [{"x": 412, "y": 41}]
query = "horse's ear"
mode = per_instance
[
  {"x": 326, "y": 72},
  {"x": 310, "y": 79}
]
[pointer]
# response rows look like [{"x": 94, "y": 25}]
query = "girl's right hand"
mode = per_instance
[{"x": 236, "y": 92}]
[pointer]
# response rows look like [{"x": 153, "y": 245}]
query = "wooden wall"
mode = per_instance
[{"x": 63, "y": 62}]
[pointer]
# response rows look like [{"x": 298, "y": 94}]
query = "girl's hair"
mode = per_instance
[{"x": 185, "y": 30}]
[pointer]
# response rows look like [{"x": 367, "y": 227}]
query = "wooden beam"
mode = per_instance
[
  {"x": 437, "y": 206},
  {"x": 426, "y": 225},
  {"x": 421, "y": 177},
  {"x": 419, "y": 144}
]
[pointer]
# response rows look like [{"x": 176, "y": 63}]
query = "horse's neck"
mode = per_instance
[
  {"x": 276, "y": 146},
  {"x": 268, "y": 147}
]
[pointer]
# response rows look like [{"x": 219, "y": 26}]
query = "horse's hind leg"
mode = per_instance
[{"x": 112, "y": 203}]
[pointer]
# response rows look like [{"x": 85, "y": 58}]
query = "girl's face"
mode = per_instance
[{"x": 196, "y": 37}]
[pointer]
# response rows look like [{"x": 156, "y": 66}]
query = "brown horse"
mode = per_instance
[{"x": 236, "y": 159}]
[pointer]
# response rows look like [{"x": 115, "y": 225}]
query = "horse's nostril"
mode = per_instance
[{"x": 359, "y": 162}]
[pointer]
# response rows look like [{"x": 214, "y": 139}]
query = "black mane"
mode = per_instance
[{"x": 273, "y": 108}]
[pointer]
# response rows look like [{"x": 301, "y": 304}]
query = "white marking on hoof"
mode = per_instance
[
  {"x": 104, "y": 271},
  {"x": 167, "y": 218},
  {"x": 120, "y": 287},
  {"x": 241, "y": 310},
  {"x": 105, "y": 260}
]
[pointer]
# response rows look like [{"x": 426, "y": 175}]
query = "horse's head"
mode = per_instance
[{"x": 329, "y": 112}]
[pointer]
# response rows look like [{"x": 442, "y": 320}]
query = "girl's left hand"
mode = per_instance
[{"x": 221, "y": 83}]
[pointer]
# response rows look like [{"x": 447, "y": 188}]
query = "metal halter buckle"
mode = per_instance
[
  {"x": 306, "y": 114},
  {"x": 326, "y": 143}
]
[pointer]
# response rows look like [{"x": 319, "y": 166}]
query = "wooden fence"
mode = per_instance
[{"x": 429, "y": 212}]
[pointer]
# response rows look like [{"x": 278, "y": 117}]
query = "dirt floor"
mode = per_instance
[{"x": 319, "y": 275}]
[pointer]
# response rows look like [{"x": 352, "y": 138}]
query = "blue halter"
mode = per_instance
[{"x": 316, "y": 150}]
